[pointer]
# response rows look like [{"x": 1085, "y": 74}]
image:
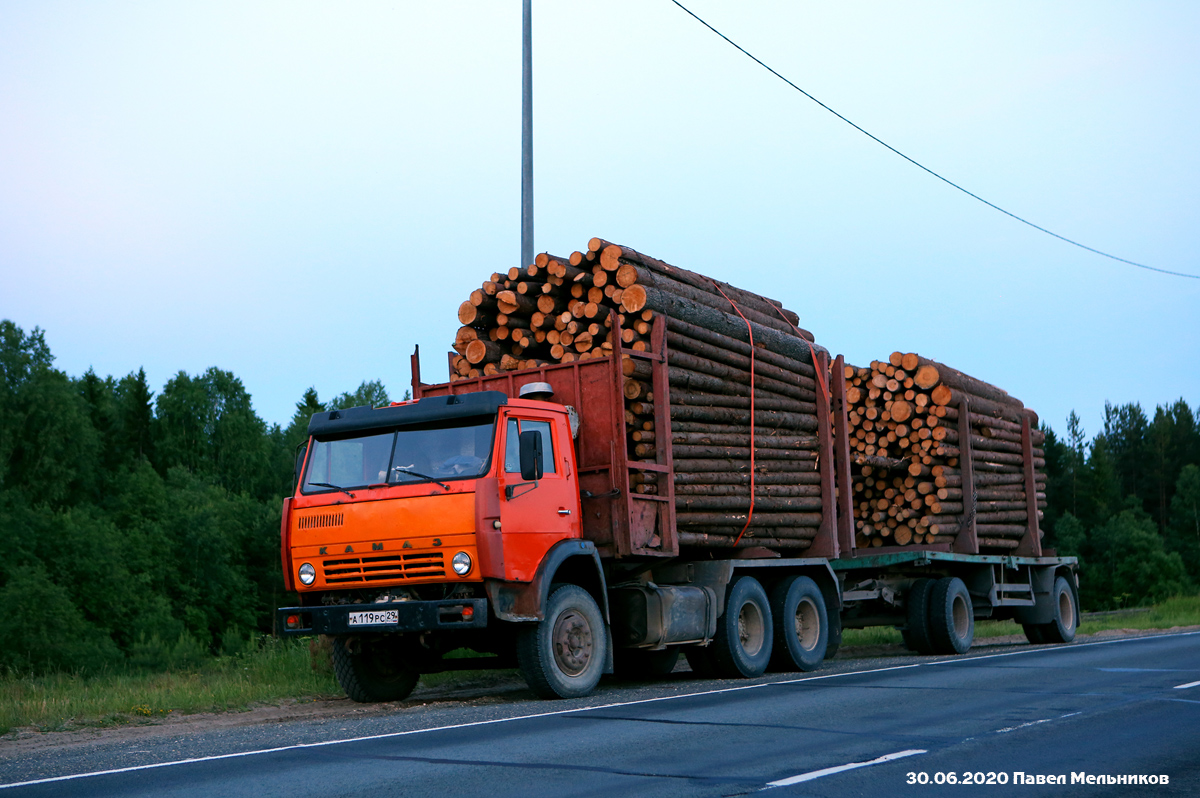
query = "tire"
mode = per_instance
[
  {"x": 699, "y": 659},
  {"x": 640, "y": 663},
  {"x": 563, "y": 655},
  {"x": 951, "y": 617},
  {"x": 1033, "y": 633},
  {"x": 916, "y": 634},
  {"x": 376, "y": 672},
  {"x": 1066, "y": 614},
  {"x": 801, "y": 625},
  {"x": 742, "y": 646}
]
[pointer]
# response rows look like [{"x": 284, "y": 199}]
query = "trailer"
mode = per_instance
[{"x": 501, "y": 514}]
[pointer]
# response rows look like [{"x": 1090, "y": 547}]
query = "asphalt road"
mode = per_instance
[{"x": 1122, "y": 707}]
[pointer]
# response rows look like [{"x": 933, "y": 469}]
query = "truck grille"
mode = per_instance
[
  {"x": 321, "y": 521},
  {"x": 390, "y": 567}
]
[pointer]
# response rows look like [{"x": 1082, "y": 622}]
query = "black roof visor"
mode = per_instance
[{"x": 433, "y": 408}]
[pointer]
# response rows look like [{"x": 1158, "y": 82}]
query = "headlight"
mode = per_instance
[
  {"x": 461, "y": 563},
  {"x": 308, "y": 574}
]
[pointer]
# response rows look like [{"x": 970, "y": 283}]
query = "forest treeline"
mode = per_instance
[{"x": 141, "y": 528}]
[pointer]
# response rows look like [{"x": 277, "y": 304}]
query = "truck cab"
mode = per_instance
[{"x": 418, "y": 528}]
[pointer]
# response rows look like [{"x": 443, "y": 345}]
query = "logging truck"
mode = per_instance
[{"x": 512, "y": 516}]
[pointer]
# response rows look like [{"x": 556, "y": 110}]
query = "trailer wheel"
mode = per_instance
[
  {"x": 801, "y": 625},
  {"x": 1066, "y": 615},
  {"x": 916, "y": 634},
  {"x": 641, "y": 663},
  {"x": 563, "y": 655},
  {"x": 373, "y": 671},
  {"x": 951, "y": 617},
  {"x": 742, "y": 647}
]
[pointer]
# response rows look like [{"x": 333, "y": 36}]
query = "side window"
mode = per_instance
[{"x": 512, "y": 450}]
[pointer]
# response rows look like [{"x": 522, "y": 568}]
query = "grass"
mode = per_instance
[
  {"x": 1179, "y": 611},
  {"x": 282, "y": 670},
  {"x": 279, "y": 670}
]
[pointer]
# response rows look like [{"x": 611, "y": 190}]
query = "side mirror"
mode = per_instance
[
  {"x": 531, "y": 455},
  {"x": 301, "y": 450}
]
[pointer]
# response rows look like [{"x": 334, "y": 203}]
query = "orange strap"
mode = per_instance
[
  {"x": 812, "y": 353},
  {"x": 750, "y": 331}
]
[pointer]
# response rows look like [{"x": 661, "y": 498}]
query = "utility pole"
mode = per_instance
[{"x": 527, "y": 136}]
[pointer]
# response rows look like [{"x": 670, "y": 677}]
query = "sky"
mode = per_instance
[{"x": 301, "y": 192}]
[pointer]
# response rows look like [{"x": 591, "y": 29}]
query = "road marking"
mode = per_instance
[
  {"x": 574, "y": 710},
  {"x": 1034, "y": 723},
  {"x": 816, "y": 774},
  {"x": 1186, "y": 686}
]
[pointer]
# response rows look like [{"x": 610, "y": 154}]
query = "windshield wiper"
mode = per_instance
[
  {"x": 422, "y": 476},
  {"x": 335, "y": 487}
]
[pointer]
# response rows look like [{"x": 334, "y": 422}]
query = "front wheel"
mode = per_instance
[
  {"x": 372, "y": 670},
  {"x": 563, "y": 655}
]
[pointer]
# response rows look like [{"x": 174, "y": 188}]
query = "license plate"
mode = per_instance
[{"x": 378, "y": 618}]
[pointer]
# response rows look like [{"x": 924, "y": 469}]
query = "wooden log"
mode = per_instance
[
  {"x": 686, "y": 451},
  {"x": 513, "y": 302},
  {"x": 742, "y": 490},
  {"x": 1007, "y": 516},
  {"x": 470, "y": 315},
  {"x": 735, "y": 465},
  {"x": 729, "y": 325},
  {"x": 747, "y": 541},
  {"x": 945, "y": 395},
  {"x": 968, "y": 384},
  {"x": 735, "y": 376},
  {"x": 762, "y": 504},
  {"x": 739, "y": 348},
  {"x": 480, "y": 351},
  {"x": 737, "y": 416},
  {"x": 998, "y": 543},
  {"x": 687, "y": 388},
  {"x": 874, "y": 461},
  {"x": 616, "y": 253},
  {"x": 760, "y": 441},
  {"x": 737, "y": 519},
  {"x": 1001, "y": 530},
  {"x": 743, "y": 478},
  {"x": 710, "y": 297}
]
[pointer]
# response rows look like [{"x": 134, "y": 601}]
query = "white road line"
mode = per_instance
[
  {"x": 301, "y": 746},
  {"x": 1034, "y": 723},
  {"x": 816, "y": 774},
  {"x": 1186, "y": 686}
]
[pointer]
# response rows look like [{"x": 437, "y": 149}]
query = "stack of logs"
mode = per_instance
[
  {"x": 558, "y": 310},
  {"x": 904, "y": 447}
]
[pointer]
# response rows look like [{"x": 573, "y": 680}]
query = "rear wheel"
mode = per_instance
[
  {"x": 563, "y": 655},
  {"x": 372, "y": 670},
  {"x": 801, "y": 625},
  {"x": 742, "y": 647},
  {"x": 1066, "y": 614},
  {"x": 916, "y": 634},
  {"x": 951, "y": 617}
]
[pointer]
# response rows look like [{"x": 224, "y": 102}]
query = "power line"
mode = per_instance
[{"x": 921, "y": 166}]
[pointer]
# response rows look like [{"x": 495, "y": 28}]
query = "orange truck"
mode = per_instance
[{"x": 497, "y": 517}]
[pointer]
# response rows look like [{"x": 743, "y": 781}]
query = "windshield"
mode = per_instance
[{"x": 455, "y": 450}]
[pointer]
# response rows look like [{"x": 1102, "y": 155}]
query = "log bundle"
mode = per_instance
[
  {"x": 909, "y": 461},
  {"x": 559, "y": 310}
]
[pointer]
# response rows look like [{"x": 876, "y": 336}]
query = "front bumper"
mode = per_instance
[{"x": 413, "y": 616}]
